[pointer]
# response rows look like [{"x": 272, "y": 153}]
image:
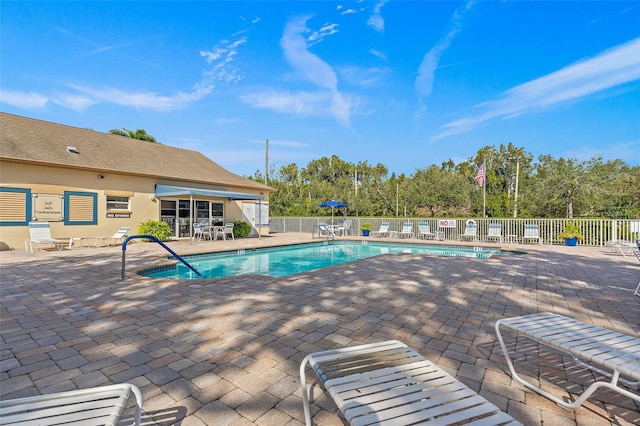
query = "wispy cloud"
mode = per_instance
[
  {"x": 144, "y": 100},
  {"x": 221, "y": 57},
  {"x": 427, "y": 69},
  {"x": 364, "y": 77},
  {"x": 378, "y": 54},
  {"x": 25, "y": 100},
  {"x": 222, "y": 69},
  {"x": 376, "y": 21},
  {"x": 73, "y": 101},
  {"x": 614, "y": 67},
  {"x": 317, "y": 36},
  {"x": 308, "y": 67},
  {"x": 122, "y": 45}
]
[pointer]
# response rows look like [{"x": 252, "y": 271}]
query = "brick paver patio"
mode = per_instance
[{"x": 227, "y": 351}]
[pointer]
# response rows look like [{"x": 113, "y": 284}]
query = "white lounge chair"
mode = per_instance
[
  {"x": 388, "y": 383},
  {"x": 637, "y": 253},
  {"x": 624, "y": 248},
  {"x": 495, "y": 232},
  {"x": 424, "y": 231},
  {"x": 40, "y": 233},
  {"x": 96, "y": 406},
  {"x": 383, "y": 231},
  {"x": 407, "y": 230},
  {"x": 531, "y": 232},
  {"x": 116, "y": 238},
  {"x": 615, "y": 355},
  {"x": 470, "y": 231}
]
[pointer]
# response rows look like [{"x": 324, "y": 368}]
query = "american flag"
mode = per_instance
[{"x": 480, "y": 175}]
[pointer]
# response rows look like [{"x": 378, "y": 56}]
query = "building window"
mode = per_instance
[
  {"x": 15, "y": 206},
  {"x": 117, "y": 203},
  {"x": 80, "y": 208}
]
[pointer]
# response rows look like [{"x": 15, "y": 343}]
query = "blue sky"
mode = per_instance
[{"x": 404, "y": 83}]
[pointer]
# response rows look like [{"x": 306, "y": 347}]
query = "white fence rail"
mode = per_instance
[{"x": 596, "y": 232}]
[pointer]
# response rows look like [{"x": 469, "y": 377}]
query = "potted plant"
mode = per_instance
[
  {"x": 571, "y": 234},
  {"x": 365, "y": 228}
]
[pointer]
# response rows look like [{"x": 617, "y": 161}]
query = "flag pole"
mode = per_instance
[{"x": 484, "y": 189}]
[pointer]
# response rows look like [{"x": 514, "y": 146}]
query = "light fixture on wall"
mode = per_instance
[
  {"x": 153, "y": 198},
  {"x": 100, "y": 176}
]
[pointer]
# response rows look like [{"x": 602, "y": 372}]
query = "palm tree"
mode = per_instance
[{"x": 139, "y": 134}]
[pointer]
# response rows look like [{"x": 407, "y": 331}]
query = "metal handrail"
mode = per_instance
[
  {"x": 323, "y": 228},
  {"x": 154, "y": 239}
]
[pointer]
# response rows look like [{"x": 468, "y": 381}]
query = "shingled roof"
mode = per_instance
[{"x": 34, "y": 141}]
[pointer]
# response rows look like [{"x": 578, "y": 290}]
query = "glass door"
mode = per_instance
[{"x": 168, "y": 214}]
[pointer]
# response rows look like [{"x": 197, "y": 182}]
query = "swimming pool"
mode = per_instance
[{"x": 295, "y": 259}]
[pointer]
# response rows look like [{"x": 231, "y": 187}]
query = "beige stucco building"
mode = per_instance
[{"x": 86, "y": 184}]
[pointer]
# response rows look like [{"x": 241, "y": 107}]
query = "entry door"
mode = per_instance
[{"x": 168, "y": 214}]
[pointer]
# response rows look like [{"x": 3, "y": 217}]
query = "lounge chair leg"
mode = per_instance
[{"x": 305, "y": 395}]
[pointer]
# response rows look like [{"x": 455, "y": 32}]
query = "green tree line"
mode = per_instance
[{"x": 546, "y": 188}]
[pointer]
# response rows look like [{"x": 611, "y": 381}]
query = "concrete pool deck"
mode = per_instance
[{"x": 227, "y": 351}]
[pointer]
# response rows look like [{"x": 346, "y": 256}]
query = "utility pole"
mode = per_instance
[{"x": 266, "y": 165}]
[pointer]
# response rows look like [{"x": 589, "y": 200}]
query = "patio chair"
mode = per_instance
[
  {"x": 228, "y": 230},
  {"x": 407, "y": 230},
  {"x": 495, "y": 232},
  {"x": 424, "y": 231},
  {"x": 347, "y": 227},
  {"x": 531, "y": 232},
  {"x": 470, "y": 231},
  {"x": 383, "y": 231},
  {"x": 116, "y": 238},
  {"x": 392, "y": 384},
  {"x": 201, "y": 230},
  {"x": 40, "y": 233},
  {"x": 609, "y": 353},
  {"x": 96, "y": 406}
]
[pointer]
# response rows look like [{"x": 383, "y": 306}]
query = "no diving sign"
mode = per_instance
[{"x": 447, "y": 223}]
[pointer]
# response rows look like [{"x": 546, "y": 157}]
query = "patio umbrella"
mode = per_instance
[{"x": 333, "y": 204}]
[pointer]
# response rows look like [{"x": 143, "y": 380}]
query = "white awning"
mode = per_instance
[{"x": 173, "y": 191}]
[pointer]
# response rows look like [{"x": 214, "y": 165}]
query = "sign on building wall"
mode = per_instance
[
  {"x": 118, "y": 215},
  {"x": 47, "y": 207}
]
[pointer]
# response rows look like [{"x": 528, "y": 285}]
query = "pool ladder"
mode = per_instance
[
  {"x": 323, "y": 229},
  {"x": 154, "y": 239}
]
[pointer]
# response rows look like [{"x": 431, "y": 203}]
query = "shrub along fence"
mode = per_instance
[{"x": 596, "y": 232}]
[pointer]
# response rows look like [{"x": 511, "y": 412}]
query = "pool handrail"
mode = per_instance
[{"x": 154, "y": 239}]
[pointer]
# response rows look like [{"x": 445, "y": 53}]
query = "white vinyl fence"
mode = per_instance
[{"x": 597, "y": 232}]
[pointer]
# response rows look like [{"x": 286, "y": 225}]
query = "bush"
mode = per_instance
[
  {"x": 241, "y": 229},
  {"x": 157, "y": 228}
]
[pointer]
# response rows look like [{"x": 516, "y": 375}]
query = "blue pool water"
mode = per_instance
[{"x": 295, "y": 259}]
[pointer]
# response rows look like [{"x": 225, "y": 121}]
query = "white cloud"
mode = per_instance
[
  {"x": 73, "y": 101},
  {"x": 376, "y": 21},
  {"x": 312, "y": 68},
  {"x": 378, "y": 54},
  {"x": 427, "y": 69},
  {"x": 298, "y": 103},
  {"x": 364, "y": 77},
  {"x": 611, "y": 68},
  {"x": 221, "y": 57},
  {"x": 144, "y": 100},
  {"x": 24, "y": 100},
  {"x": 348, "y": 11},
  {"x": 317, "y": 36}
]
